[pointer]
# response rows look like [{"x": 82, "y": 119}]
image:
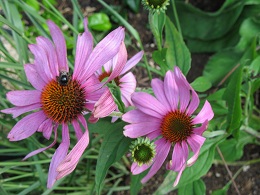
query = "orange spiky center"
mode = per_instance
[
  {"x": 63, "y": 103},
  {"x": 176, "y": 126}
]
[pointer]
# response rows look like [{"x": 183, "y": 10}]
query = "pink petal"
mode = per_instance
[
  {"x": 136, "y": 116},
  {"x": 83, "y": 50},
  {"x": 195, "y": 143},
  {"x": 153, "y": 135},
  {"x": 158, "y": 89},
  {"x": 33, "y": 77},
  {"x": 58, "y": 156},
  {"x": 26, "y": 126},
  {"x": 206, "y": 113},
  {"x": 77, "y": 129},
  {"x": 171, "y": 90},
  {"x": 72, "y": 159},
  {"x": 127, "y": 85},
  {"x": 184, "y": 89},
  {"x": 46, "y": 128},
  {"x": 24, "y": 97},
  {"x": 121, "y": 58},
  {"x": 105, "y": 105},
  {"x": 49, "y": 49},
  {"x": 41, "y": 62},
  {"x": 42, "y": 149},
  {"x": 60, "y": 46},
  {"x": 83, "y": 122},
  {"x": 177, "y": 158},
  {"x": 200, "y": 130},
  {"x": 140, "y": 129},
  {"x": 179, "y": 176},
  {"x": 194, "y": 102},
  {"x": 148, "y": 104},
  {"x": 136, "y": 169},
  {"x": 132, "y": 62},
  {"x": 162, "y": 150},
  {"x": 17, "y": 111},
  {"x": 104, "y": 51}
]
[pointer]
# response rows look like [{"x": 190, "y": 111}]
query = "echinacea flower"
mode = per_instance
[
  {"x": 60, "y": 98},
  {"x": 116, "y": 70},
  {"x": 169, "y": 119}
]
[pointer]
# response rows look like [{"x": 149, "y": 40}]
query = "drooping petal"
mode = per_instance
[
  {"x": 195, "y": 142},
  {"x": 136, "y": 116},
  {"x": 104, "y": 51},
  {"x": 206, "y": 113},
  {"x": 153, "y": 135},
  {"x": 72, "y": 159},
  {"x": 184, "y": 89},
  {"x": 162, "y": 150},
  {"x": 83, "y": 50},
  {"x": 136, "y": 169},
  {"x": 58, "y": 156},
  {"x": 200, "y": 130},
  {"x": 179, "y": 176},
  {"x": 171, "y": 90},
  {"x": 49, "y": 49},
  {"x": 119, "y": 64},
  {"x": 132, "y": 62},
  {"x": 158, "y": 89},
  {"x": 33, "y": 77},
  {"x": 26, "y": 126},
  {"x": 42, "y": 149},
  {"x": 177, "y": 160},
  {"x": 148, "y": 104},
  {"x": 140, "y": 129},
  {"x": 60, "y": 46},
  {"x": 17, "y": 111},
  {"x": 105, "y": 105},
  {"x": 77, "y": 129},
  {"x": 24, "y": 97}
]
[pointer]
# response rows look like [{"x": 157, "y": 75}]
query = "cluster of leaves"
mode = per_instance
[{"x": 230, "y": 80}]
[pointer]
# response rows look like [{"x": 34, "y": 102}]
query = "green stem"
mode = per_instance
[
  {"x": 176, "y": 17},
  {"x": 154, "y": 31},
  {"x": 238, "y": 163},
  {"x": 131, "y": 30}
]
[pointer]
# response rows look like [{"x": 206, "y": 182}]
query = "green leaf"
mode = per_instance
[
  {"x": 99, "y": 22},
  {"x": 201, "y": 84},
  {"x": 232, "y": 149},
  {"x": 177, "y": 52},
  {"x": 195, "y": 188},
  {"x": 113, "y": 147},
  {"x": 159, "y": 56},
  {"x": 34, "y": 4},
  {"x": 222, "y": 191},
  {"x": 134, "y": 5},
  {"x": 255, "y": 66},
  {"x": 233, "y": 99},
  {"x": 135, "y": 184},
  {"x": 224, "y": 64}
]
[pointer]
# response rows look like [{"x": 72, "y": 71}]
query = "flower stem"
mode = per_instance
[{"x": 176, "y": 17}]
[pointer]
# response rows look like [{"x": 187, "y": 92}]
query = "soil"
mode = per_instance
[{"x": 248, "y": 181}]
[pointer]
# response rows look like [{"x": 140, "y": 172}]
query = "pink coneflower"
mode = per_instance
[
  {"x": 116, "y": 70},
  {"x": 169, "y": 118},
  {"x": 60, "y": 98}
]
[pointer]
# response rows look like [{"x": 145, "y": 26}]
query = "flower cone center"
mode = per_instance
[
  {"x": 143, "y": 154},
  {"x": 176, "y": 126},
  {"x": 155, "y": 3},
  {"x": 63, "y": 103}
]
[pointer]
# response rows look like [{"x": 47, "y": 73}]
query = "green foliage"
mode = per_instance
[{"x": 99, "y": 22}]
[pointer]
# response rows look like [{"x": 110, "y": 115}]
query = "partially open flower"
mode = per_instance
[
  {"x": 169, "y": 118},
  {"x": 156, "y": 5}
]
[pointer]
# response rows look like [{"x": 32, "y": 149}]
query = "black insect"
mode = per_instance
[{"x": 63, "y": 78}]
